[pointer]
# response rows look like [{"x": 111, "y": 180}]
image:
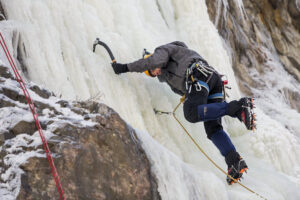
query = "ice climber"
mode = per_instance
[{"x": 187, "y": 73}]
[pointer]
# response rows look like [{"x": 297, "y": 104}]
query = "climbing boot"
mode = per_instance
[
  {"x": 236, "y": 167},
  {"x": 246, "y": 114},
  {"x": 236, "y": 171}
]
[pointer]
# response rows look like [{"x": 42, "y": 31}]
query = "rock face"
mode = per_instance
[
  {"x": 2, "y": 16},
  {"x": 261, "y": 24},
  {"x": 96, "y": 157},
  {"x": 103, "y": 162}
]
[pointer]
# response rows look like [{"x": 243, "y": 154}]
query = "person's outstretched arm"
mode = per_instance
[{"x": 158, "y": 59}]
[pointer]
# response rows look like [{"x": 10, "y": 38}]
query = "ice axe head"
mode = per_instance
[
  {"x": 98, "y": 41},
  {"x": 95, "y": 44}
]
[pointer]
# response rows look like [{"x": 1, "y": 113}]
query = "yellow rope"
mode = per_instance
[{"x": 203, "y": 152}]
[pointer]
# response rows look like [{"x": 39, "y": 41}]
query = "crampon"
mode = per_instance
[
  {"x": 236, "y": 171},
  {"x": 247, "y": 116}
]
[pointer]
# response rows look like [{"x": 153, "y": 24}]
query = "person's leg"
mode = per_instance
[
  {"x": 204, "y": 98},
  {"x": 234, "y": 108},
  {"x": 217, "y": 135},
  {"x": 222, "y": 141},
  {"x": 214, "y": 128},
  {"x": 192, "y": 101},
  {"x": 204, "y": 105},
  {"x": 202, "y": 111}
]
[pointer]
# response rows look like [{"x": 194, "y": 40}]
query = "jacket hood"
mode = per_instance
[{"x": 178, "y": 43}]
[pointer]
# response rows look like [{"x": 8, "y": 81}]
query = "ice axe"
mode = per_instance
[{"x": 98, "y": 41}]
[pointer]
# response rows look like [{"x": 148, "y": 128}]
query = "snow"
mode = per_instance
[
  {"x": 16, "y": 156},
  {"x": 11, "y": 116},
  {"x": 24, "y": 146},
  {"x": 58, "y": 38},
  {"x": 16, "y": 149}
]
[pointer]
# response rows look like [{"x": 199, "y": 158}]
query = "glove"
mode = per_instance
[
  {"x": 119, "y": 68},
  {"x": 234, "y": 107}
]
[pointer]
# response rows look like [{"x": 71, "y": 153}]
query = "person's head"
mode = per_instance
[{"x": 153, "y": 72}]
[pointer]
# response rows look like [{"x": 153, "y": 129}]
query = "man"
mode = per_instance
[{"x": 187, "y": 73}]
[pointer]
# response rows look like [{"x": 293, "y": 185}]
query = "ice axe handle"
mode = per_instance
[{"x": 97, "y": 41}]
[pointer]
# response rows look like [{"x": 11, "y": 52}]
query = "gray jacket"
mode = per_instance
[{"x": 173, "y": 59}]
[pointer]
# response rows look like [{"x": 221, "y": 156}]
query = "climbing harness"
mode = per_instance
[
  {"x": 207, "y": 71},
  {"x": 35, "y": 116},
  {"x": 191, "y": 80},
  {"x": 202, "y": 151}
]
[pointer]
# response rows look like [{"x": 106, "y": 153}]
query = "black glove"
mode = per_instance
[
  {"x": 119, "y": 68},
  {"x": 234, "y": 107}
]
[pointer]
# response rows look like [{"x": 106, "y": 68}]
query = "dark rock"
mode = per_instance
[
  {"x": 6, "y": 103},
  {"x": 295, "y": 63},
  {"x": 274, "y": 3},
  {"x": 2, "y": 138},
  {"x": 294, "y": 8},
  {"x": 14, "y": 95},
  {"x": 94, "y": 107},
  {"x": 4, "y": 72},
  {"x": 102, "y": 120},
  {"x": 24, "y": 127},
  {"x": 41, "y": 106},
  {"x": 78, "y": 111},
  {"x": 41, "y": 92},
  {"x": 2, "y": 13},
  {"x": 8, "y": 135},
  {"x": 86, "y": 117},
  {"x": 63, "y": 103}
]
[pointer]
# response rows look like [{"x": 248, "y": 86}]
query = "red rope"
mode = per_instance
[{"x": 35, "y": 116}]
